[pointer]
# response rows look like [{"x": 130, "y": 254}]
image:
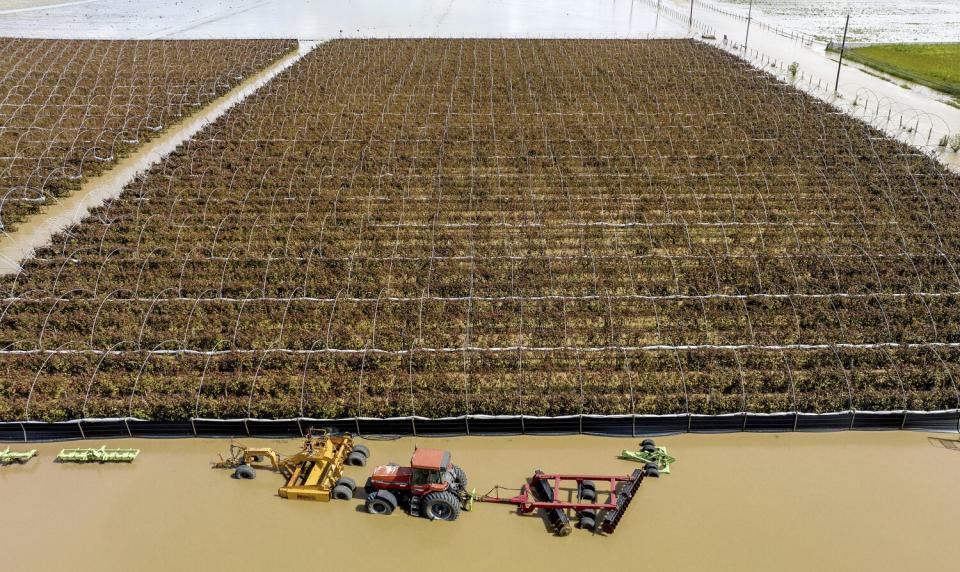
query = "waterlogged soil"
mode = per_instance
[
  {"x": 321, "y": 19},
  {"x": 870, "y": 20},
  {"x": 833, "y": 501}
]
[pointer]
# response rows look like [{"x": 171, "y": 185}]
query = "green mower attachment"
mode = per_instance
[
  {"x": 101, "y": 455},
  {"x": 658, "y": 455},
  {"x": 8, "y": 457}
]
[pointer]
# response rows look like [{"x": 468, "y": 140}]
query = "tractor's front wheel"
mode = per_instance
[
  {"x": 441, "y": 506},
  {"x": 381, "y": 502}
]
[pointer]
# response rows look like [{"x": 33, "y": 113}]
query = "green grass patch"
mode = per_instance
[{"x": 932, "y": 65}]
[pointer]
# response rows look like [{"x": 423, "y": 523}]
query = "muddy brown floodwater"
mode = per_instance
[{"x": 830, "y": 501}]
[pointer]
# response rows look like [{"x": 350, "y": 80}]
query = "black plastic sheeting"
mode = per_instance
[{"x": 615, "y": 426}]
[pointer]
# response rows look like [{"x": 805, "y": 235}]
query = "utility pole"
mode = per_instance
[
  {"x": 691, "y": 12},
  {"x": 843, "y": 46},
  {"x": 749, "y": 18}
]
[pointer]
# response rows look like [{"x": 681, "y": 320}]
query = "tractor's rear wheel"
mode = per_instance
[
  {"x": 441, "y": 506},
  {"x": 245, "y": 472},
  {"x": 381, "y": 502},
  {"x": 459, "y": 477}
]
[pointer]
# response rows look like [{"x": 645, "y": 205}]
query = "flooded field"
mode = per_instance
[
  {"x": 870, "y": 20},
  {"x": 322, "y": 19},
  {"x": 837, "y": 501}
]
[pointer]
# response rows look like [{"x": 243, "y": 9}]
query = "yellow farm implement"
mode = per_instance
[{"x": 313, "y": 473}]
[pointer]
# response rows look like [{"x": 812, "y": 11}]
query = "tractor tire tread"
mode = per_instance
[
  {"x": 445, "y": 497},
  {"x": 381, "y": 498},
  {"x": 460, "y": 476}
]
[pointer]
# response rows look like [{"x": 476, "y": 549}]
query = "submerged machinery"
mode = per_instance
[
  {"x": 313, "y": 473},
  {"x": 649, "y": 454},
  {"x": 432, "y": 486},
  {"x": 8, "y": 457},
  {"x": 99, "y": 455},
  {"x": 544, "y": 491}
]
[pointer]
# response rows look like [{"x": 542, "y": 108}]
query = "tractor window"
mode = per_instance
[{"x": 425, "y": 477}]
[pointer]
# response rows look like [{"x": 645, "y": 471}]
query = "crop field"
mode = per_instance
[
  {"x": 538, "y": 227},
  {"x": 933, "y": 65},
  {"x": 69, "y": 108}
]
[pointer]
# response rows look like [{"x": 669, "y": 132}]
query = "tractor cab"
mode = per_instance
[
  {"x": 429, "y": 467},
  {"x": 429, "y": 470}
]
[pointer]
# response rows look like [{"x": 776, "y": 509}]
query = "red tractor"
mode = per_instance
[{"x": 431, "y": 486}]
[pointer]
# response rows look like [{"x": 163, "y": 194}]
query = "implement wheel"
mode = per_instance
[
  {"x": 588, "y": 523},
  {"x": 441, "y": 506},
  {"x": 356, "y": 459},
  {"x": 362, "y": 449},
  {"x": 343, "y": 490},
  {"x": 648, "y": 446},
  {"x": 381, "y": 502},
  {"x": 588, "y": 485},
  {"x": 244, "y": 472}
]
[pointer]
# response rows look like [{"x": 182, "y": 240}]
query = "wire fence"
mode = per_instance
[{"x": 481, "y": 425}]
